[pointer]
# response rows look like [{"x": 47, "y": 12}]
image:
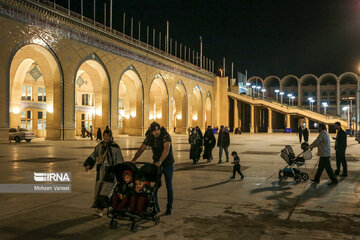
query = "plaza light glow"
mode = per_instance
[
  {"x": 133, "y": 114},
  {"x": 158, "y": 116},
  {"x": 50, "y": 108},
  {"x": 127, "y": 116},
  {"x": 282, "y": 93},
  {"x": 151, "y": 116},
  {"x": 277, "y": 90},
  {"x": 195, "y": 118},
  {"x": 179, "y": 117},
  {"x": 99, "y": 112},
  {"x": 16, "y": 110}
]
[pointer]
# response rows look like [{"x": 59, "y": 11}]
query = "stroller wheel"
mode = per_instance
[
  {"x": 134, "y": 227},
  {"x": 157, "y": 220},
  {"x": 113, "y": 224},
  {"x": 281, "y": 176},
  {"x": 305, "y": 176},
  {"x": 297, "y": 178}
]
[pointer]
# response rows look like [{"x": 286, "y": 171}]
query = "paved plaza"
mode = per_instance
[{"x": 207, "y": 205}]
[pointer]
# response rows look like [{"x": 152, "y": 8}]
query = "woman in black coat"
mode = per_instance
[{"x": 209, "y": 143}]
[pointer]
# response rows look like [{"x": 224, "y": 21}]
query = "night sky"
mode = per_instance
[{"x": 269, "y": 37}]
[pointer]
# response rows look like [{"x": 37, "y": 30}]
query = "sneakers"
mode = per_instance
[
  {"x": 315, "y": 181},
  {"x": 99, "y": 213},
  {"x": 232, "y": 177},
  {"x": 332, "y": 183}
]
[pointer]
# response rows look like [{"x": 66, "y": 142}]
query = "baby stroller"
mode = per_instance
[
  {"x": 294, "y": 162},
  {"x": 151, "y": 174}
]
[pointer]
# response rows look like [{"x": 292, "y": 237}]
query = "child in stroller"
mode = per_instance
[
  {"x": 140, "y": 205},
  {"x": 294, "y": 162}
]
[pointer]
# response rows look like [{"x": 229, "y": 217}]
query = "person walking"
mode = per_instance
[
  {"x": 91, "y": 132},
  {"x": 194, "y": 140},
  {"x": 322, "y": 142},
  {"x": 300, "y": 132},
  {"x": 306, "y": 134},
  {"x": 98, "y": 134},
  {"x": 209, "y": 144},
  {"x": 237, "y": 166},
  {"x": 160, "y": 142},
  {"x": 340, "y": 148},
  {"x": 223, "y": 143},
  {"x": 106, "y": 155},
  {"x": 200, "y": 146}
]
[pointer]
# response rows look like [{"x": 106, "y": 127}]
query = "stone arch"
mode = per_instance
[
  {"x": 208, "y": 110},
  {"x": 308, "y": 82},
  {"x": 196, "y": 103},
  {"x": 35, "y": 67},
  {"x": 290, "y": 85},
  {"x": 92, "y": 97},
  {"x": 130, "y": 102},
  {"x": 255, "y": 80},
  {"x": 348, "y": 81},
  {"x": 271, "y": 84},
  {"x": 159, "y": 101},
  {"x": 179, "y": 114}
]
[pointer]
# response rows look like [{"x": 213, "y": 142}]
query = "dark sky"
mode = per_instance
[{"x": 269, "y": 37}]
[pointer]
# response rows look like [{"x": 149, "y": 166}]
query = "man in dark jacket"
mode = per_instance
[
  {"x": 223, "y": 143},
  {"x": 198, "y": 130},
  {"x": 160, "y": 142},
  {"x": 300, "y": 132},
  {"x": 306, "y": 134},
  {"x": 340, "y": 147}
]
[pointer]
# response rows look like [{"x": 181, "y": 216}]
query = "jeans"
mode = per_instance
[
  {"x": 226, "y": 153},
  {"x": 324, "y": 163},
  {"x": 168, "y": 175},
  {"x": 236, "y": 168},
  {"x": 341, "y": 160}
]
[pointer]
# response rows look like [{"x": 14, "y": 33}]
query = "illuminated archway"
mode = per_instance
[
  {"x": 208, "y": 110},
  {"x": 179, "y": 108},
  {"x": 309, "y": 84},
  {"x": 196, "y": 108},
  {"x": 36, "y": 91},
  {"x": 130, "y": 103},
  {"x": 92, "y": 96},
  {"x": 159, "y": 101},
  {"x": 272, "y": 83}
]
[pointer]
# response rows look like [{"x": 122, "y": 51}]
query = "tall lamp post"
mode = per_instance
[
  {"x": 248, "y": 87},
  {"x": 263, "y": 92},
  {"x": 258, "y": 90},
  {"x": 277, "y": 94},
  {"x": 325, "y": 105},
  {"x": 289, "y": 96},
  {"x": 253, "y": 92},
  {"x": 281, "y": 96},
  {"x": 292, "y": 100},
  {"x": 310, "y": 102},
  {"x": 346, "y": 108}
]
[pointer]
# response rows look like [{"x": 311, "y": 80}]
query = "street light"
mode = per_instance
[
  {"x": 310, "y": 100},
  {"x": 312, "y": 105},
  {"x": 325, "y": 105},
  {"x": 281, "y": 96},
  {"x": 346, "y": 108},
  {"x": 253, "y": 90},
  {"x": 292, "y": 100},
  {"x": 263, "y": 92},
  {"x": 248, "y": 87},
  {"x": 277, "y": 94},
  {"x": 289, "y": 96},
  {"x": 258, "y": 90}
]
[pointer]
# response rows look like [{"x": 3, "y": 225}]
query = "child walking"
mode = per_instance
[{"x": 236, "y": 165}]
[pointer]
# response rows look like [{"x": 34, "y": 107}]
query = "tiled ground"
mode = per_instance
[{"x": 207, "y": 204}]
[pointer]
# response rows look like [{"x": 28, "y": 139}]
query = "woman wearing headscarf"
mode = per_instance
[
  {"x": 209, "y": 144},
  {"x": 105, "y": 156}
]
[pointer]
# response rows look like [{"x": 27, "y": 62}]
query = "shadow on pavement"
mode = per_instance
[{"x": 212, "y": 185}]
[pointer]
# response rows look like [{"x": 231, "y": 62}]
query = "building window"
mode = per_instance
[
  {"x": 87, "y": 99},
  {"x": 26, "y": 120},
  {"x": 86, "y": 120},
  {"x": 41, "y": 120},
  {"x": 26, "y": 93},
  {"x": 41, "y": 94}
]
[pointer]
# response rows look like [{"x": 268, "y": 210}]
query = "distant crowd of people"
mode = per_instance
[{"x": 89, "y": 133}]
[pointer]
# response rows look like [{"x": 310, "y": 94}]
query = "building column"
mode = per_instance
[
  {"x": 338, "y": 111},
  {"x": 299, "y": 94},
  {"x": 288, "y": 125},
  {"x": 269, "y": 121},
  {"x": 252, "y": 117},
  {"x": 318, "y": 96},
  {"x": 307, "y": 123},
  {"x": 236, "y": 115}
]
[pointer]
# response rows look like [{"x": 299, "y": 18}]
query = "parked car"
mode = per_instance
[{"x": 18, "y": 134}]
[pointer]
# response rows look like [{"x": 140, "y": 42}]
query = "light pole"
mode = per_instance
[
  {"x": 277, "y": 94},
  {"x": 292, "y": 100},
  {"x": 263, "y": 92},
  {"x": 281, "y": 96},
  {"x": 253, "y": 92},
  {"x": 289, "y": 96},
  {"x": 258, "y": 90},
  {"x": 346, "y": 108},
  {"x": 325, "y": 105},
  {"x": 248, "y": 87},
  {"x": 312, "y": 104}
]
